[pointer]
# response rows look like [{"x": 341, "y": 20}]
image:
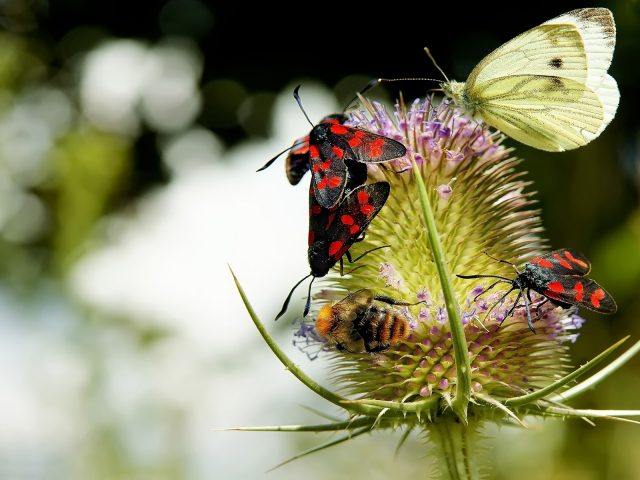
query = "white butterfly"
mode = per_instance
[{"x": 548, "y": 87}]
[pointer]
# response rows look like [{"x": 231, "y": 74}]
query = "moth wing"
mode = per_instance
[
  {"x": 355, "y": 213},
  {"x": 333, "y": 231},
  {"x": 581, "y": 292},
  {"x": 363, "y": 146},
  {"x": 564, "y": 261},
  {"x": 548, "y": 113},
  {"x": 329, "y": 173},
  {"x": 297, "y": 162}
]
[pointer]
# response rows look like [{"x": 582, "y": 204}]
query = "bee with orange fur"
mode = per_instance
[{"x": 356, "y": 324}]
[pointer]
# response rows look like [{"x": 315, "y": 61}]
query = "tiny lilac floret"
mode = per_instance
[
  {"x": 424, "y": 295},
  {"x": 443, "y": 384},
  {"x": 444, "y": 191},
  {"x": 425, "y": 391}
]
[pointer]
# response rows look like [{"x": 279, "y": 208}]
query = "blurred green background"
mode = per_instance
[{"x": 129, "y": 139}]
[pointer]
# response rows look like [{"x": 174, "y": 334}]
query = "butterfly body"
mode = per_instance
[
  {"x": 548, "y": 87},
  {"x": 559, "y": 277}
]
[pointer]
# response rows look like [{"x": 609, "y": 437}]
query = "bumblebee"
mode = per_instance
[{"x": 356, "y": 324}]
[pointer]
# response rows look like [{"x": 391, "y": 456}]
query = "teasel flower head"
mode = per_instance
[{"x": 458, "y": 202}]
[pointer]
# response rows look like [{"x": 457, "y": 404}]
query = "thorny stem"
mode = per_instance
[
  {"x": 463, "y": 387},
  {"x": 293, "y": 368},
  {"x": 598, "y": 377}
]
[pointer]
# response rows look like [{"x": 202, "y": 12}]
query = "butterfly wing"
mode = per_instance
[
  {"x": 548, "y": 87},
  {"x": 598, "y": 32},
  {"x": 565, "y": 261},
  {"x": 581, "y": 292},
  {"x": 548, "y": 113},
  {"x": 332, "y": 231},
  {"x": 577, "y": 45}
]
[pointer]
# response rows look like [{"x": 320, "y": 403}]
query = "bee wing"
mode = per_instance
[
  {"x": 355, "y": 303},
  {"x": 581, "y": 292},
  {"x": 565, "y": 261},
  {"x": 550, "y": 113}
]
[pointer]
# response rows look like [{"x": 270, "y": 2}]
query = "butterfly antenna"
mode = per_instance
[
  {"x": 268, "y": 164},
  {"x": 376, "y": 81},
  {"x": 436, "y": 65},
  {"x": 285, "y": 305},
  {"x": 307, "y": 305},
  {"x": 297, "y": 97}
]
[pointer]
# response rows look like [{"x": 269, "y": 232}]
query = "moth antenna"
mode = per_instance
[
  {"x": 297, "y": 97},
  {"x": 268, "y": 164},
  {"x": 436, "y": 65},
  {"x": 285, "y": 305},
  {"x": 307, "y": 305},
  {"x": 503, "y": 261},
  {"x": 376, "y": 81}
]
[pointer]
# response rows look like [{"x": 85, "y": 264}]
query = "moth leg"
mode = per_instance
[{"x": 529, "y": 322}]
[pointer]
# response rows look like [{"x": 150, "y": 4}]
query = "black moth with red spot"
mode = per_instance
[
  {"x": 332, "y": 231},
  {"x": 337, "y": 155},
  {"x": 297, "y": 162},
  {"x": 558, "y": 277},
  {"x": 338, "y": 152}
]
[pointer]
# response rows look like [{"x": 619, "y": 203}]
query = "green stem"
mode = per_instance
[
  {"x": 293, "y": 368},
  {"x": 598, "y": 377},
  {"x": 456, "y": 449},
  {"x": 327, "y": 427},
  {"x": 532, "y": 397},
  {"x": 463, "y": 387}
]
